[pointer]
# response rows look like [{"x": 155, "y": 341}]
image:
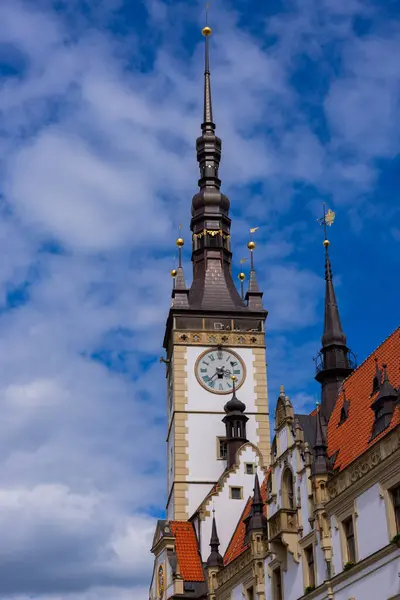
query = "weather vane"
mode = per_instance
[
  {"x": 251, "y": 245},
  {"x": 327, "y": 219}
]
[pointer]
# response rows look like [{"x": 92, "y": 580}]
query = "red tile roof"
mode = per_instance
[
  {"x": 187, "y": 551},
  {"x": 237, "y": 544},
  {"x": 352, "y": 437}
]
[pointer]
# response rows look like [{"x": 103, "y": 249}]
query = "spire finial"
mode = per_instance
[
  {"x": 334, "y": 362},
  {"x": 215, "y": 559},
  {"x": 251, "y": 246},
  {"x": 242, "y": 278},
  {"x": 327, "y": 220},
  {"x": 208, "y": 117},
  {"x": 253, "y": 296},
  {"x": 180, "y": 243}
]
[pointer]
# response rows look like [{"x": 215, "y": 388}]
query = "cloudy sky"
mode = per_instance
[{"x": 100, "y": 107}]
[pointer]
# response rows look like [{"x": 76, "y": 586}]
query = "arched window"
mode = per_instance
[{"x": 288, "y": 489}]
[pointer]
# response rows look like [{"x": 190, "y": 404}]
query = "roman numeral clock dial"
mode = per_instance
[{"x": 214, "y": 369}]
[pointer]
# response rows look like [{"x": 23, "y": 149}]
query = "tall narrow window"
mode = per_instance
[
  {"x": 222, "y": 449},
  {"x": 396, "y": 506},
  {"x": 277, "y": 585},
  {"x": 348, "y": 529},
  {"x": 309, "y": 555},
  {"x": 288, "y": 489},
  {"x": 250, "y": 593}
]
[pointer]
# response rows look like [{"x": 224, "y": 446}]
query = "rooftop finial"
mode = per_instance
[
  {"x": 179, "y": 291},
  {"x": 334, "y": 362},
  {"x": 327, "y": 220},
  {"x": 208, "y": 117},
  {"x": 242, "y": 278},
  {"x": 180, "y": 243},
  {"x": 253, "y": 296}
]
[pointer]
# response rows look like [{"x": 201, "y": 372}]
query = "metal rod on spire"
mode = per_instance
[
  {"x": 208, "y": 117},
  {"x": 242, "y": 277},
  {"x": 180, "y": 243},
  {"x": 251, "y": 245}
]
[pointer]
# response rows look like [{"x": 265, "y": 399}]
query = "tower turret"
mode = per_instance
[
  {"x": 335, "y": 362},
  {"x": 235, "y": 423}
]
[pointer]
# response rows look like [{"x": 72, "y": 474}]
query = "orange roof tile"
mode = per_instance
[
  {"x": 187, "y": 551},
  {"x": 237, "y": 544},
  {"x": 352, "y": 437}
]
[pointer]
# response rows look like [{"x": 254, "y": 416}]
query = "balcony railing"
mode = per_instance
[
  {"x": 283, "y": 521},
  {"x": 340, "y": 362}
]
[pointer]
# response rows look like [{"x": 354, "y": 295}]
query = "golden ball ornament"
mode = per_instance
[
  {"x": 241, "y": 276},
  {"x": 326, "y": 243},
  {"x": 251, "y": 245},
  {"x": 180, "y": 242},
  {"x": 233, "y": 377},
  {"x": 174, "y": 273},
  {"x": 206, "y": 31}
]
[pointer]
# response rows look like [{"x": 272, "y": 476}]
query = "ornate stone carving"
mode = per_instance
[
  {"x": 234, "y": 568},
  {"x": 204, "y": 338},
  {"x": 363, "y": 465}
]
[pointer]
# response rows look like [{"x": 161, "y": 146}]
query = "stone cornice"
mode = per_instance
[{"x": 364, "y": 471}]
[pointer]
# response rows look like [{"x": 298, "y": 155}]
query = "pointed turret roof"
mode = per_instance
[
  {"x": 256, "y": 520},
  {"x": 234, "y": 405},
  {"x": 215, "y": 559},
  {"x": 321, "y": 459},
  {"x": 333, "y": 331},
  {"x": 335, "y": 361}
]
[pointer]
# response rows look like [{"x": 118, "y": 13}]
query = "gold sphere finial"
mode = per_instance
[
  {"x": 174, "y": 273},
  {"x": 251, "y": 245},
  {"x": 233, "y": 377},
  {"x": 206, "y": 31},
  {"x": 242, "y": 276},
  {"x": 180, "y": 242},
  {"x": 326, "y": 243}
]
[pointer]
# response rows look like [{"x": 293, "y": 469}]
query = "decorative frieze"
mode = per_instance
[
  {"x": 234, "y": 568},
  {"x": 361, "y": 467},
  {"x": 223, "y": 338}
]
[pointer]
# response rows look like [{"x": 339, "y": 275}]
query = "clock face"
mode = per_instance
[{"x": 215, "y": 368}]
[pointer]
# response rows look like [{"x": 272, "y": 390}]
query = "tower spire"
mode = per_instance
[
  {"x": 235, "y": 424},
  {"x": 334, "y": 362},
  {"x": 215, "y": 559},
  {"x": 321, "y": 460},
  {"x": 253, "y": 295},
  {"x": 210, "y": 224}
]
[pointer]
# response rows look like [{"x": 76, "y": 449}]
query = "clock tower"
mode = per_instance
[{"x": 214, "y": 342}]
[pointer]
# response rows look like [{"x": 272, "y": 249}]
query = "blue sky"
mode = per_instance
[{"x": 100, "y": 107}]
